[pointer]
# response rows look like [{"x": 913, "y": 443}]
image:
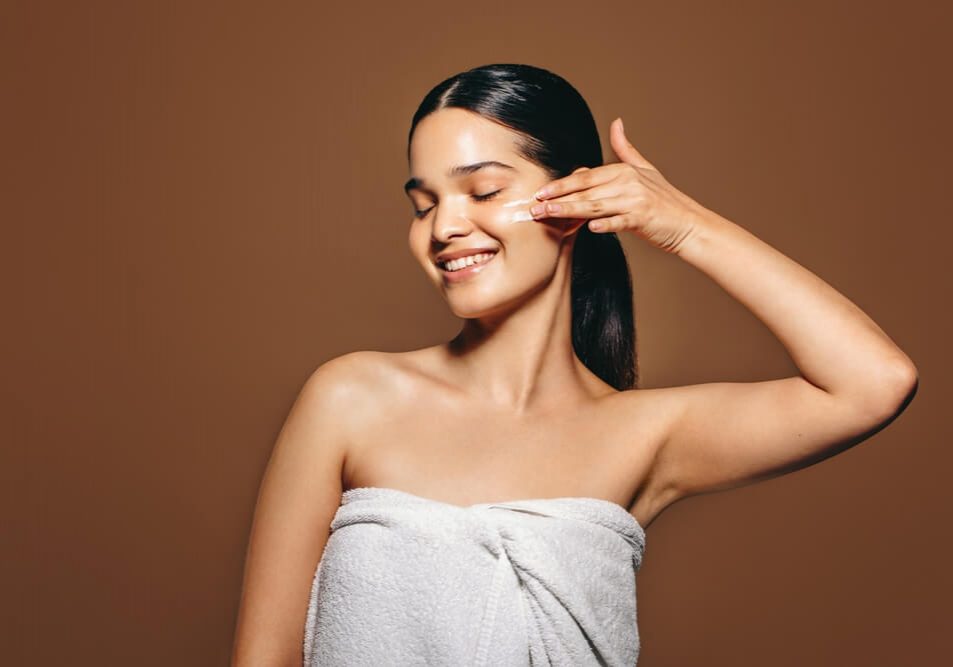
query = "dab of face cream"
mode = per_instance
[{"x": 520, "y": 216}]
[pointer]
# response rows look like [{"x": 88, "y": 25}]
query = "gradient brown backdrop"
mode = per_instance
[{"x": 202, "y": 202}]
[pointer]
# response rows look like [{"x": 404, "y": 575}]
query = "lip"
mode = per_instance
[
  {"x": 468, "y": 272},
  {"x": 457, "y": 254}
]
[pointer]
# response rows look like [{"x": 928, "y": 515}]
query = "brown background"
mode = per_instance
[{"x": 202, "y": 202}]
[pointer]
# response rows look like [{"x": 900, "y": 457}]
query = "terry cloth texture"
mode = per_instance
[{"x": 405, "y": 580}]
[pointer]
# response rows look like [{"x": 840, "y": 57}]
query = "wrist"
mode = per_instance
[{"x": 703, "y": 226}]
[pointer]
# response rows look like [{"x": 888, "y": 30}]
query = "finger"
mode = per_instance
[
  {"x": 583, "y": 208},
  {"x": 603, "y": 191},
  {"x": 613, "y": 223},
  {"x": 624, "y": 148},
  {"x": 580, "y": 179}
]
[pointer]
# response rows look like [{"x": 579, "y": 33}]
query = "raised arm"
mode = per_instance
[
  {"x": 853, "y": 378},
  {"x": 299, "y": 495}
]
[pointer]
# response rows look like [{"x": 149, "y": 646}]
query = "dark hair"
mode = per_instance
[{"x": 555, "y": 129}]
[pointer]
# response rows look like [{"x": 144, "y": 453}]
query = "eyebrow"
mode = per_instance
[{"x": 458, "y": 171}]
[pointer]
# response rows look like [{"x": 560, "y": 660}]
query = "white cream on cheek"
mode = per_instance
[{"x": 520, "y": 215}]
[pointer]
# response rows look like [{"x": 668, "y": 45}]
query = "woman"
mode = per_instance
[{"x": 484, "y": 501}]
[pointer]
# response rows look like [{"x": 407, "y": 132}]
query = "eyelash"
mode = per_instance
[{"x": 481, "y": 198}]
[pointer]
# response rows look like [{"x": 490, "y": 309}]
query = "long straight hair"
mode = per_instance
[{"x": 556, "y": 131}]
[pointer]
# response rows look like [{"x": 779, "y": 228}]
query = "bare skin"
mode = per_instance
[
  {"x": 507, "y": 411},
  {"x": 468, "y": 449}
]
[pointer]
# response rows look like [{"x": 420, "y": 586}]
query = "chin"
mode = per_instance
[
  {"x": 482, "y": 303},
  {"x": 491, "y": 294},
  {"x": 475, "y": 303},
  {"x": 469, "y": 309}
]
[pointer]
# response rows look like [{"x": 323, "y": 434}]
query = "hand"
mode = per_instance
[{"x": 629, "y": 195}]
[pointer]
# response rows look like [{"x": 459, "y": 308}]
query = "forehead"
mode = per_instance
[{"x": 451, "y": 137}]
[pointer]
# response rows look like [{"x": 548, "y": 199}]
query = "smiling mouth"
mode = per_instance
[{"x": 464, "y": 263}]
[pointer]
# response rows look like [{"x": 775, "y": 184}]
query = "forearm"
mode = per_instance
[{"x": 834, "y": 344}]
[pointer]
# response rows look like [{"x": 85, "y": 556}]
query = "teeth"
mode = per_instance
[{"x": 464, "y": 262}]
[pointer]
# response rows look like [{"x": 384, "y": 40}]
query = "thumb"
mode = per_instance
[{"x": 625, "y": 150}]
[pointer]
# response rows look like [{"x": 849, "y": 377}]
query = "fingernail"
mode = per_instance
[
  {"x": 537, "y": 209},
  {"x": 542, "y": 192},
  {"x": 553, "y": 208}
]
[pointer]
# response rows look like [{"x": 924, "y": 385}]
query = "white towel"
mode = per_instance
[{"x": 405, "y": 580}]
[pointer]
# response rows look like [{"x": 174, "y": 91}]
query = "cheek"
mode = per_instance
[
  {"x": 510, "y": 208},
  {"x": 535, "y": 241},
  {"x": 508, "y": 217}
]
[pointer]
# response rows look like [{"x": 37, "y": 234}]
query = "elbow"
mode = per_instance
[
  {"x": 894, "y": 391},
  {"x": 905, "y": 382}
]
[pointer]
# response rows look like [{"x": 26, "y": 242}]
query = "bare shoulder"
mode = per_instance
[
  {"x": 355, "y": 382},
  {"x": 299, "y": 494},
  {"x": 351, "y": 368},
  {"x": 354, "y": 372}
]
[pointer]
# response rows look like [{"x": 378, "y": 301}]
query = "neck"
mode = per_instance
[{"x": 524, "y": 359}]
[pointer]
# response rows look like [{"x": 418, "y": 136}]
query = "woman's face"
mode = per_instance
[{"x": 461, "y": 206}]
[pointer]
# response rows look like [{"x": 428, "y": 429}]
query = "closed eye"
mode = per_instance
[
  {"x": 489, "y": 195},
  {"x": 481, "y": 198}
]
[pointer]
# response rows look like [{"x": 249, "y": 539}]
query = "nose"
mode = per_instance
[{"x": 450, "y": 220}]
